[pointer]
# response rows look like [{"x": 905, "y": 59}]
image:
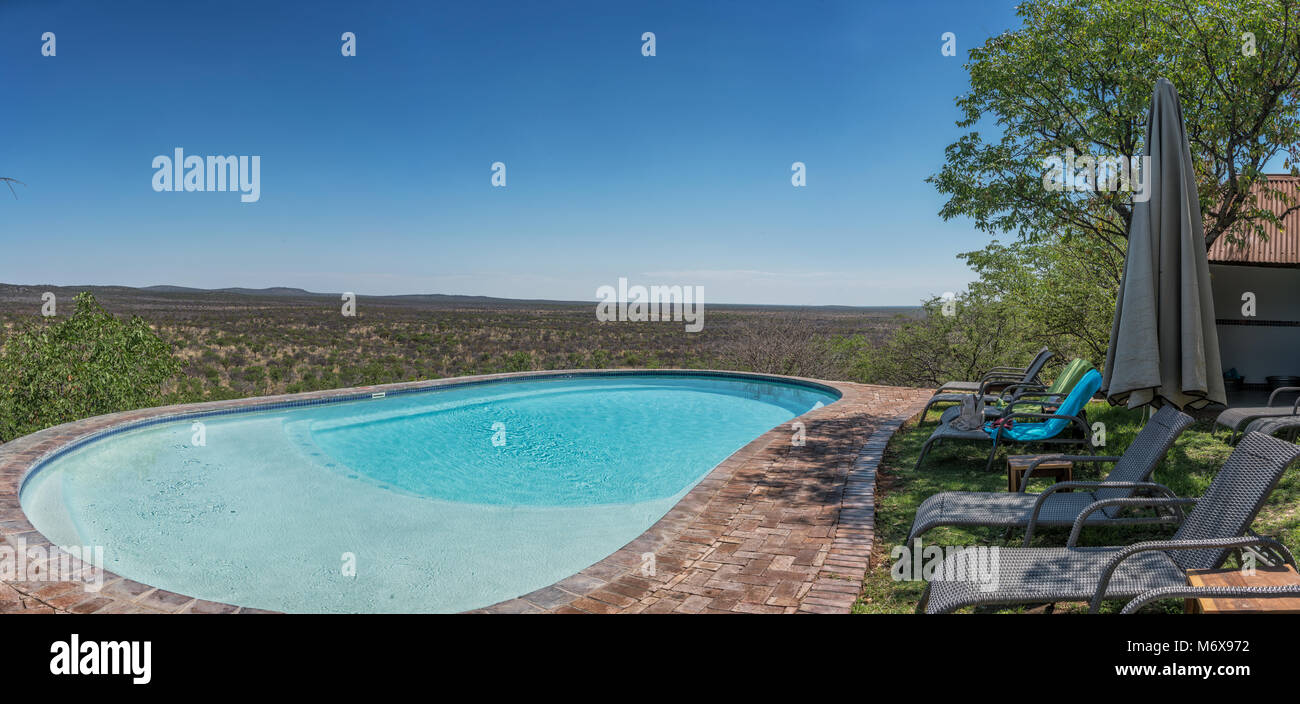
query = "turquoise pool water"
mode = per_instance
[{"x": 443, "y": 500}]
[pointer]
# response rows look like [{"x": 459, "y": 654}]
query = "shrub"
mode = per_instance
[
  {"x": 978, "y": 334},
  {"x": 91, "y": 363},
  {"x": 787, "y": 344}
]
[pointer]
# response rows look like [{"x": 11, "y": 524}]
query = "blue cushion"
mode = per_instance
[{"x": 1078, "y": 398}]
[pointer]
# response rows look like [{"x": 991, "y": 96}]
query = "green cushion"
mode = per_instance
[{"x": 1069, "y": 376}]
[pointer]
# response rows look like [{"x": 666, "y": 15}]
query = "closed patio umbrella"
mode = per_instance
[{"x": 1163, "y": 344}]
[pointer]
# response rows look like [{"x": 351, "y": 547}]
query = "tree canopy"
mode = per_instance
[
  {"x": 57, "y": 370},
  {"x": 1079, "y": 74}
]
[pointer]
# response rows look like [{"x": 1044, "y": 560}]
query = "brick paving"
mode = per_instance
[{"x": 775, "y": 528}]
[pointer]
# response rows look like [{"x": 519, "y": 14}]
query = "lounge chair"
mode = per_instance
[
  {"x": 1054, "y": 507},
  {"x": 1219, "y": 523},
  {"x": 1286, "y": 427},
  {"x": 1048, "y": 430},
  {"x": 1001, "y": 375},
  {"x": 1040, "y": 396},
  {"x": 1234, "y": 418}
]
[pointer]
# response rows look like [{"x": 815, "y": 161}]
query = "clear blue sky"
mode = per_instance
[{"x": 375, "y": 170}]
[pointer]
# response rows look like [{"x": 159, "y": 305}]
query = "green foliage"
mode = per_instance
[
  {"x": 91, "y": 363},
  {"x": 1079, "y": 75},
  {"x": 1062, "y": 292},
  {"x": 979, "y": 333},
  {"x": 518, "y": 362}
]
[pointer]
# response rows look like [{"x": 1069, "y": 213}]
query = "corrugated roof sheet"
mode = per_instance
[{"x": 1281, "y": 247}]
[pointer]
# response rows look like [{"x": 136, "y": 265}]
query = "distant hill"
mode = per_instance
[
  {"x": 404, "y": 297},
  {"x": 160, "y": 296},
  {"x": 273, "y": 291}
]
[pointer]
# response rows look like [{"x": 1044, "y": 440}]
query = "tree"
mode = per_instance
[
  {"x": 88, "y": 364},
  {"x": 1062, "y": 291},
  {"x": 1079, "y": 76},
  {"x": 10, "y": 183},
  {"x": 785, "y": 343},
  {"x": 959, "y": 339}
]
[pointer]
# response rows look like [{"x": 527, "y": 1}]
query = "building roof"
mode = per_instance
[{"x": 1282, "y": 247}]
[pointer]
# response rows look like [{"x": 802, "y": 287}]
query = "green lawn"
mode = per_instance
[{"x": 1188, "y": 470}]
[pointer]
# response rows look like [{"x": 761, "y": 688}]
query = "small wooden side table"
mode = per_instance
[
  {"x": 1017, "y": 465},
  {"x": 1263, "y": 577}
]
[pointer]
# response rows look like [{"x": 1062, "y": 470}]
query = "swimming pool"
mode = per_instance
[{"x": 444, "y": 499}]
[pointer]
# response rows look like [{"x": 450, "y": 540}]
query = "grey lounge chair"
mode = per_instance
[
  {"x": 1008, "y": 381},
  {"x": 1286, "y": 427},
  {"x": 1008, "y": 510},
  {"x": 1234, "y": 418},
  {"x": 1219, "y": 523},
  {"x": 1002, "y": 376}
]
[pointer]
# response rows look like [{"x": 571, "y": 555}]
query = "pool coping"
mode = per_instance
[{"x": 828, "y": 580}]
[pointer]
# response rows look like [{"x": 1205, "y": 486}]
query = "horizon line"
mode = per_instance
[{"x": 294, "y": 290}]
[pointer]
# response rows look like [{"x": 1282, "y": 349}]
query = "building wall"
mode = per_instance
[{"x": 1258, "y": 351}]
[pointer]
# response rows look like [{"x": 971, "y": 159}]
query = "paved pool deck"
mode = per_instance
[{"x": 778, "y": 527}]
